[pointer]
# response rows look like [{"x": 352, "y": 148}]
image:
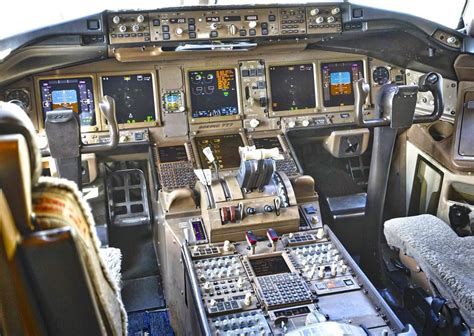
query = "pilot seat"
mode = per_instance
[{"x": 56, "y": 280}]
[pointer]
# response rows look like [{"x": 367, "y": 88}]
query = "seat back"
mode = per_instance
[{"x": 55, "y": 283}]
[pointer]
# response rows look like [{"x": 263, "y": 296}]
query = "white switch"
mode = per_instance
[
  {"x": 321, "y": 272},
  {"x": 254, "y": 123},
  {"x": 320, "y": 234},
  {"x": 248, "y": 299}
]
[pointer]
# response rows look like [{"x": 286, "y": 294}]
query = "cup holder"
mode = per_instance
[{"x": 441, "y": 130}]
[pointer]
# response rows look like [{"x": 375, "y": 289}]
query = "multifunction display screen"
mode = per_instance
[
  {"x": 213, "y": 93},
  {"x": 269, "y": 266},
  {"x": 172, "y": 154},
  {"x": 225, "y": 149},
  {"x": 292, "y": 87},
  {"x": 337, "y": 81},
  {"x": 75, "y": 94},
  {"x": 134, "y": 97},
  {"x": 267, "y": 143}
]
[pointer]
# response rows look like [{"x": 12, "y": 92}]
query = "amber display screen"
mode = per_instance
[
  {"x": 213, "y": 93},
  {"x": 225, "y": 149},
  {"x": 337, "y": 81}
]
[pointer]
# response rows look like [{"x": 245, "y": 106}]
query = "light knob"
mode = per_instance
[
  {"x": 252, "y": 24},
  {"x": 343, "y": 269},
  {"x": 335, "y": 10},
  {"x": 320, "y": 234},
  {"x": 179, "y": 31},
  {"x": 140, "y": 18},
  {"x": 122, "y": 28},
  {"x": 319, "y": 19},
  {"x": 248, "y": 299},
  {"x": 240, "y": 282},
  {"x": 232, "y": 29},
  {"x": 207, "y": 287},
  {"x": 227, "y": 246},
  {"x": 451, "y": 40},
  {"x": 214, "y": 26},
  {"x": 330, "y": 19},
  {"x": 116, "y": 19},
  {"x": 254, "y": 123},
  {"x": 305, "y": 123},
  {"x": 136, "y": 28},
  {"x": 314, "y": 12},
  {"x": 291, "y": 124},
  {"x": 321, "y": 272},
  {"x": 334, "y": 269}
]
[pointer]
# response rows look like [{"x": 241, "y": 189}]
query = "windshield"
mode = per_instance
[{"x": 25, "y": 15}]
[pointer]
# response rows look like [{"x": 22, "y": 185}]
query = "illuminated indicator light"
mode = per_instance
[{"x": 127, "y": 78}]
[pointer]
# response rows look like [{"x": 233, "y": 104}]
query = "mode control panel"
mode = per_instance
[{"x": 213, "y": 24}]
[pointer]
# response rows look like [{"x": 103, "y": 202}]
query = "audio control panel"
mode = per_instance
[
  {"x": 273, "y": 285},
  {"x": 221, "y": 24}
]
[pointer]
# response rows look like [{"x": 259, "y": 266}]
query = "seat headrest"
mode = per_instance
[{"x": 13, "y": 120}]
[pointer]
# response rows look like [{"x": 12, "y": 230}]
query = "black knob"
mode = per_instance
[
  {"x": 268, "y": 208},
  {"x": 250, "y": 211}
]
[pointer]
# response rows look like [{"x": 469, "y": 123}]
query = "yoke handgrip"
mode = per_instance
[
  {"x": 431, "y": 81},
  {"x": 107, "y": 107}
]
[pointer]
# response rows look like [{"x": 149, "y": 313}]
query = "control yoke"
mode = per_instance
[
  {"x": 395, "y": 104},
  {"x": 107, "y": 107},
  {"x": 64, "y": 138}
]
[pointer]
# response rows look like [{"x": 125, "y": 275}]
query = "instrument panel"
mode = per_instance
[{"x": 221, "y": 24}]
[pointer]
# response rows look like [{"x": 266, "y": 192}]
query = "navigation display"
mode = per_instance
[
  {"x": 269, "y": 266},
  {"x": 75, "y": 94},
  {"x": 134, "y": 98},
  {"x": 172, "y": 154},
  {"x": 292, "y": 87},
  {"x": 337, "y": 81},
  {"x": 225, "y": 149},
  {"x": 267, "y": 143},
  {"x": 213, "y": 93}
]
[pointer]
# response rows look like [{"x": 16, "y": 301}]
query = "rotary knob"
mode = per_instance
[
  {"x": 335, "y": 10},
  {"x": 305, "y": 123},
  {"x": 140, "y": 18},
  {"x": 319, "y": 20},
  {"x": 122, "y": 28},
  {"x": 314, "y": 12},
  {"x": 116, "y": 19},
  {"x": 252, "y": 24},
  {"x": 232, "y": 29},
  {"x": 330, "y": 19},
  {"x": 254, "y": 123},
  {"x": 179, "y": 31},
  {"x": 291, "y": 124},
  {"x": 213, "y": 26},
  {"x": 136, "y": 28}
]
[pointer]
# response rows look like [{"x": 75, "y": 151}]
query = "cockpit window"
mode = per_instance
[{"x": 24, "y": 15}]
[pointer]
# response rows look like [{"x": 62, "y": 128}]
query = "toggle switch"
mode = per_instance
[
  {"x": 251, "y": 240},
  {"x": 272, "y": 236}
]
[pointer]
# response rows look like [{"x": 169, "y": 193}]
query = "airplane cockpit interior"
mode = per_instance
[{"x": 268, "y": 168}]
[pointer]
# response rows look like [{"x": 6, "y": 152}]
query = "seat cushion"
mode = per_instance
[{"x": 446, "y": 259}]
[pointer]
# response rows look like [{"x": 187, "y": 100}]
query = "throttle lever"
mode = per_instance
[{"x": 107, "y": 107}]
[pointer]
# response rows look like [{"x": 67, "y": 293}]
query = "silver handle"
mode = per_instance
[{"x": 107, "y": 107}]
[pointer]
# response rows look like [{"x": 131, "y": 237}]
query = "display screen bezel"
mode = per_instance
[
  {"x": 237, "y": 116},
  {"x": 320, "y": 82},
  {"x": 84, "y": 129},
  {"x": 141, "y": 124},
  {"x": 290, "y": 113}
]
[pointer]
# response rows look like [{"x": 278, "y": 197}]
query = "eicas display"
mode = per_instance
[
  {"x": 292, "y": 87},
  {"x": 133, "y": 94},
  {"x": 213, "y": 93},
  {"x": 75, "y": 94},
  {"x": 224, "y": 147}
]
